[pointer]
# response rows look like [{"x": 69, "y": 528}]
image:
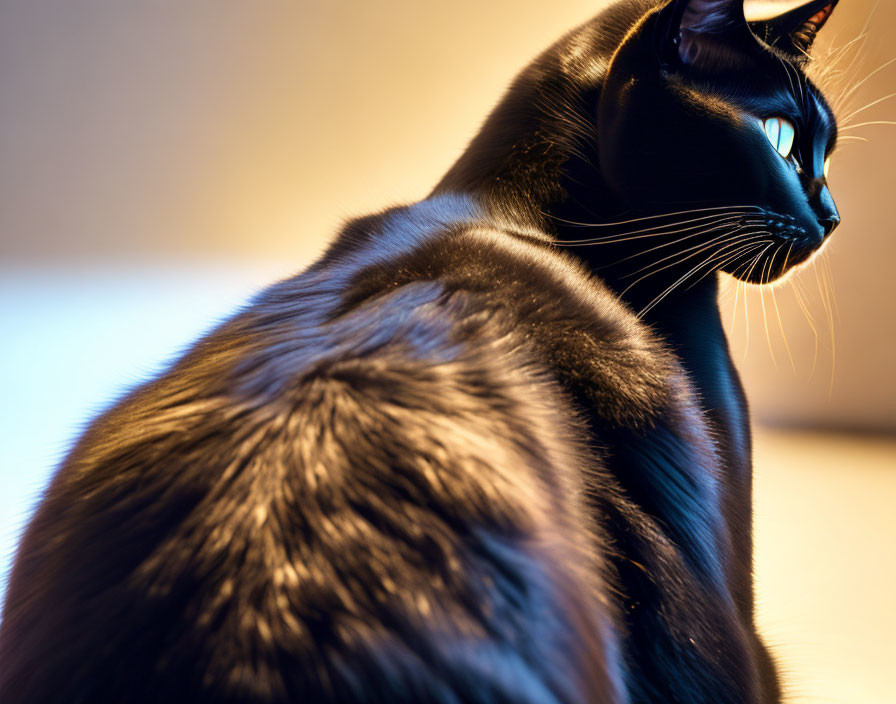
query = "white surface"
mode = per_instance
[{"x": 826, "y": 564}]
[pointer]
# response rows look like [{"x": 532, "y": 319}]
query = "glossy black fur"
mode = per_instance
[{"x": 449, "y": 462}]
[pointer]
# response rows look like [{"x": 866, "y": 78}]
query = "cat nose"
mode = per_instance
[
  {"x": 829, "y": 224},
  {"x": 826, "y": 211}
]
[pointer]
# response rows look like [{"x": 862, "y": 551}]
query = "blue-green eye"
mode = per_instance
[{"x": 781, "y": 133}]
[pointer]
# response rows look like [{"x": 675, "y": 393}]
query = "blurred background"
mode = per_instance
[{"x": 161, "y": 161}]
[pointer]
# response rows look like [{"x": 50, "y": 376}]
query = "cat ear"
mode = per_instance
[
  {"x": 706, "y": 35},
  {"x": 793, "y": 31}
]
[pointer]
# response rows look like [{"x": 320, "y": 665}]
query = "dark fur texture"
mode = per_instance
[{"x": 449, "y": 463}]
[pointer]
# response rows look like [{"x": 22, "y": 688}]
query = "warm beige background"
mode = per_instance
[
  {"x": 223, "y": 130},
  {"x": 159, "y": 159}
]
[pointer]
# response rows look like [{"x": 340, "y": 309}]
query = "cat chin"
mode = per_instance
[
  {"x": 785, "y": 254},
  {"x": 790, "y": 244}
]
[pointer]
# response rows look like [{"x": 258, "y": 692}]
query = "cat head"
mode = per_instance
[{"x": 703, "y": 110}]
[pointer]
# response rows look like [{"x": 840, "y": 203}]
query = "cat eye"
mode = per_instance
[
  {"x": 781, "y": 133},
  {"x": 827, "y": 167}
]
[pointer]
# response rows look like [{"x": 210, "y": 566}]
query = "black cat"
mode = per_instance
[{"x": 454, "y": 462}]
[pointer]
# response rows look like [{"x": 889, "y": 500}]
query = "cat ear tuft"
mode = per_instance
[
  {"x": 793, "y": 31},
  {"x": 706, "y": 35}
]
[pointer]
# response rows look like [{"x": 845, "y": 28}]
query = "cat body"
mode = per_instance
[
  {"x": 463, "y": 334},
  {"x": 450, "y": 462}
]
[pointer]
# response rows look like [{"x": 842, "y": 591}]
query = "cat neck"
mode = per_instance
[
  {"x": 517, "y": 197},
  {"x": 689, "y": 320}
]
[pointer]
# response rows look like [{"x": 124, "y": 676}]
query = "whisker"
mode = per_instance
[
  {"x": 747, "y": 277},
  {"x": 786, "y": 67},
  {"x": 741, "y": 285},
  {"x": 863, "y": 35},
  {"x": 867, "y": 124},
  {"x": 653, "y": 217},
  {"x": 867, "y": 78},
  {"x": 797, "y": 286},
  {"x": 737, "y": 283},
  {"x": 675, "y": 285},
  {"x": 733, "y": 255},
  {"x": 682, "y": 239},
  {"x": 839, "y": 53},
  {"x": 758, "y": 257},
  {"x": 762, "y": 281},
  {"x": 862, "y": 109},
  {"x": 651, "y": 231},
  {"x": 778, "y": 310},
  {"x": 825, "y": 259},
  {"x": 830, "y": 319},
  {"x": 700, "y": 248},
  {"x": 841, "y": 99},
  {"x": 829, "y": 286},
  {"x": 738, "y": 272}
]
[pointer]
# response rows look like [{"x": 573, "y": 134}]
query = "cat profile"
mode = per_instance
[{"x": 491, "y": 447}]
